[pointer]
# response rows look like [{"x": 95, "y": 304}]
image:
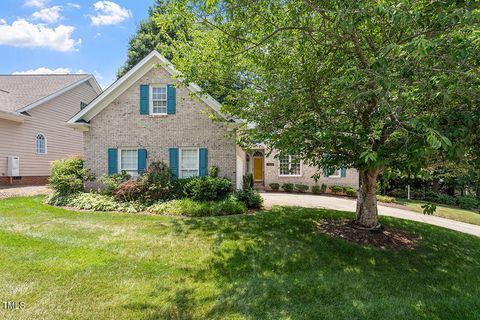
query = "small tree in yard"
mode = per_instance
[{"x": 371, "y": 84}]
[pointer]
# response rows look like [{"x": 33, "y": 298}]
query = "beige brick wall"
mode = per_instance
[
  {"x": 272, "y": 175},
  {"x": 121, "y": 125}
]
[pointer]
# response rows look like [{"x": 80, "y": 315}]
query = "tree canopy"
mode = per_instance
[{"x": 364, "y": 84}]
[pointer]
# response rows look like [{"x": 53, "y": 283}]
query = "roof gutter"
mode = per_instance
[{"x": 12, "y": 116}]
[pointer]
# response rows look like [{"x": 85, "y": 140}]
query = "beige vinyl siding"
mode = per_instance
[{"x": 19, "y": 139}]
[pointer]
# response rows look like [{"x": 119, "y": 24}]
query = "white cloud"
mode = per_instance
[
  {"x": 49, "y": 15},
  {"x": 2, "y": 21},
  {"x": 108, "y": 13},
  {"x": 97, "y": 35},
  {"x": 22, "y": 33},
  {"x": 74, "y": 5},
  {"x": 44, "y": 70},
  {"x": 35, "y": 3}
]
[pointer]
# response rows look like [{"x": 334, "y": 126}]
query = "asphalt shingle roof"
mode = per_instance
[{"x": 18, "y": 91}]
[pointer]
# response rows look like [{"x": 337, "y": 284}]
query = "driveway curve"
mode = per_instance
[{"x": 344, "y": 204}]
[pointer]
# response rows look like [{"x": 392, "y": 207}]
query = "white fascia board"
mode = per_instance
[{"x": 12, "y": 116}]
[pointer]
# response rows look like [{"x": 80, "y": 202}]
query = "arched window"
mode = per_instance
[
  {"x": 258, "y": 154},
  {"x": 41, "y": 144}
]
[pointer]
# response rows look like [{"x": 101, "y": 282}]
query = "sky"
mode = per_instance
[{"x": 68, "y": 36}]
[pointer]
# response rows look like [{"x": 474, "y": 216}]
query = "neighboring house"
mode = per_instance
[
  {"x": 33, "y": 112},
  {"x": 149, "y": 115}
]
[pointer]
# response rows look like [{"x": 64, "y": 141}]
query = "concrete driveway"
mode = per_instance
[
  {"x": 23, "y": 191},
  {"x": 344, "y": 204}
]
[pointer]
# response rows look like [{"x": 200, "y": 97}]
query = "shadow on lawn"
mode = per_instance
[{"x": 277, "y": 265}]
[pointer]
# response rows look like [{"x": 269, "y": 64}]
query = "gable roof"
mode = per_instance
[
  {"x": 19, "y": 93},
  {"x": 81, "y": 119}
]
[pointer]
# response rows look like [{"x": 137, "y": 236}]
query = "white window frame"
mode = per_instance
[
  {"x": 180, "y": 151},
  {"x": 44, "y": 144},
  {"x": 289, "y": 167},
  {"x": 150, "y": 102},
  {"x": 132, "y": 173},
  {"x": 339, "y": 175}
]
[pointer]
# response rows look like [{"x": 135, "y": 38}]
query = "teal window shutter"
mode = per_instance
[
  {"x": 144, "y": 101},
  {"x": 325, "y": 169},
  {"x": 343, "y": 172},
  {"x": 142, "y": 161},
  {"x": 203, "y": 165},
  {"x": 112, "y": 161},
  {"x": 171, "y": 99},
  {"x": 173, "y": 161}
]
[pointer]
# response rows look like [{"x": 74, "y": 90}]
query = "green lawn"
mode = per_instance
[
  {"x": 274, "y": 265},
  {"x": 453, "y": 213}
]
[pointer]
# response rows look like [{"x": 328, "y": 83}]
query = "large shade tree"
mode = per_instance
[{"x": 364, "y": 84}]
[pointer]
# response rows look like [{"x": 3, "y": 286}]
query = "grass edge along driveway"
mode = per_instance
[{"x": 272, "y": 265}]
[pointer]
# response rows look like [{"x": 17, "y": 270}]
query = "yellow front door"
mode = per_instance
[{"x": 258, "y": 169}]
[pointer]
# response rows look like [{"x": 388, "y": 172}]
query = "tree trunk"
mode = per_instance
[
  {"x": 436, "y": 184},
  {"x": 367, "y": 213}
]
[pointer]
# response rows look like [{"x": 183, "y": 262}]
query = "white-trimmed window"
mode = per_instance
[
  {"x": 335, "y": 174},
  {"x": 189, "y": 162},
  {"x": 128, "y": 161},
  {"x": 158, "y": 99},
  {"x": 41, "y": 144},
  {"x": 290, "y": 165}
]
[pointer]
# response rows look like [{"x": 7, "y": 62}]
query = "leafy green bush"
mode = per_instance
[
  {"x": 248, "y": 181},
  {"x": 437, "y": 197},
  {"x": 68, "y": 175},
  {"x": 469, "y": 202},
  {"x": 128, "y": 191},
  {"x": 274, "y": 186},
  {"x": 110, "y": 183},
  {"x": 301, "y": 188},
  {"x": 250, "y": 197},
  {"x": 59, "y": 199},
  {"x": 337, "y": 189},
  {"x": 207, "y": 188},
  {"x": 213, "y": 171},
  {"x": 287, "y": 187},
  {"x": 385, "y": 199},
  {"x": 398, "y": 193},
  {"x": 157, "y": 183},
  {"x": 316, "y": 189},
  {"x": 94, "y": 201},
  {"x": 351, "y": 192},
  {"x": 191, "y": 208}
]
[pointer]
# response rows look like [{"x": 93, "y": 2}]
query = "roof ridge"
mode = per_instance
[{"x": 46, "y": 74}]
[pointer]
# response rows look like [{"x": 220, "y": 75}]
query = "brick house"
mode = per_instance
[
  {"x": 149, "y": 115},
  {"x": 33, "y": 112}
]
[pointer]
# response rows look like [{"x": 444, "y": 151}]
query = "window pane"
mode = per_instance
[
  {"x": 128, "y": 160},
  {"x": 283, "y": 160},
  {"x": 40, "y": 144},
  {"x": 289, "y": 165},
  {"x": 336, "y": 173},
  {"x": 295, "y": 165},
  {"x": 189, "y": 163},
  {"x": 159, "y": 99}
]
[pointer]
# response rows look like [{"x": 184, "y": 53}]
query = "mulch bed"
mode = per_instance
[{"x": 388, "y": 239}]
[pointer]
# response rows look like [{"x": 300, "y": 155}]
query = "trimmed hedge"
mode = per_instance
[
  {"x": 301, "y": 188},
  {"x": 287, "y": 187},
  {"x": 274, "y": 186}
]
